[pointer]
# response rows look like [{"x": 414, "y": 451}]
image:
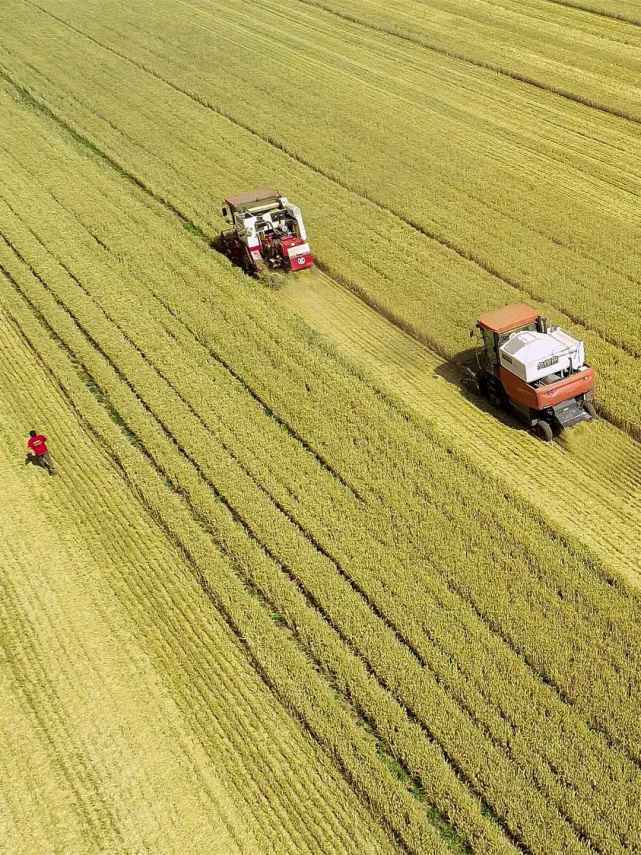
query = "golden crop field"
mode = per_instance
[{"x": 292, "y": 589}]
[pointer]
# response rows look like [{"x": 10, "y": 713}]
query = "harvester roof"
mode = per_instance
[
  {"x": 242, "y": 199},
  {"x": 508, "y": 318}
]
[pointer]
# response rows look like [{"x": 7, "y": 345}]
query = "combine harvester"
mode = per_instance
[
  {"x": 524, "y": 365},
  {"x": 267, "y": 233},
  {"x": 536, "y": 370}
]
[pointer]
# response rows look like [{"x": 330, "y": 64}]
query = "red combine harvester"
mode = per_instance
[
  {"x": 267, "y": 232},
  {"x": 536, "y": 370}
]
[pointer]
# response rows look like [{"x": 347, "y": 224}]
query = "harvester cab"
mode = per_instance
[
  {"x": 267, "y": 231},
  {"x": 532, "y": 368}
]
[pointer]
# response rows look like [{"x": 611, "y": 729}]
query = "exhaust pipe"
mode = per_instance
[{"x": 542, "y": 324}]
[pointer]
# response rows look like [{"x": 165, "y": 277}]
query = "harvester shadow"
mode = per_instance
[{"x": 453, "y": 371}]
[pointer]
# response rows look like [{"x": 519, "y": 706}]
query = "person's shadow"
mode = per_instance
[{"x": 35, "y": 460}]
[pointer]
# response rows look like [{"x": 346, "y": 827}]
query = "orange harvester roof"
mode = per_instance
[
  {"x": 508, "y": 318},
  {"x": 253, "y": 196}
]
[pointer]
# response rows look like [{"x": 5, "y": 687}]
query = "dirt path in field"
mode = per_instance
[{"x": 588, "y": 484}]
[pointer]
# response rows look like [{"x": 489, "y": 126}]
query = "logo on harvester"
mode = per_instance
[
  {"x": 300, "y": 259},
  {"x": 545, "y": 363}
]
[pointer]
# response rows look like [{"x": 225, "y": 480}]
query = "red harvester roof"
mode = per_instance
[
  {"x": 251, "y": 196},
  {"x": 508, "y": 318}
]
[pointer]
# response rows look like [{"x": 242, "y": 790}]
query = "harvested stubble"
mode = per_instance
[
  {"x": 346, "y": 563},
  {"x": 548, "y": 216},
  {"x": 464, "y": 630}
]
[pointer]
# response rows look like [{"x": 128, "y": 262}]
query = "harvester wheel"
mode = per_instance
[
  {"x": 543, "y": 430},
  {"x": 588, "y": 406},
  {"x": 490, "y": 390},
  {"x": 496, "y": 399}
]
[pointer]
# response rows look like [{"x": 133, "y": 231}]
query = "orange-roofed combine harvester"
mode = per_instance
[
  {"x": 267, "y": 232},
  {"x": 534, "y": 369}
]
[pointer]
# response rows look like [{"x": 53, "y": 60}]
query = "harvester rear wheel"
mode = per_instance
[{"x": 543, "y": 430}]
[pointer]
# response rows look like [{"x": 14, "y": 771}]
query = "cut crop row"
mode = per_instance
[
  {"x": 466, "y": 288},
  {"x": 93, "y": 326},
  {"x": 279, "y": 663}
]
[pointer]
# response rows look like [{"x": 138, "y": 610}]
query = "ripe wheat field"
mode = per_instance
[{"x": 292, "y": 591}]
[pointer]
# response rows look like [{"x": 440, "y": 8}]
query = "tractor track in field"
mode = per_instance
[
  {"x": 459, "y": 250},
  {"x": 421, "y": 378}
]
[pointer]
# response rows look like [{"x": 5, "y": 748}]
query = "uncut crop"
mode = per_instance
[
  {"x": 504, "y": 208},
  {"x": 393, "y": 268},
  {"x": 420, "y": 603}
]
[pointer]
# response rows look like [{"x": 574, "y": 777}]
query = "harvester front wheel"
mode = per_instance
[
  {"x": 588, "y": 406},
  {"x": 543, "y": 430}
]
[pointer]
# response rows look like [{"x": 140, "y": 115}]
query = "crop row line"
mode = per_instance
[
  {"x": 269, "y": 410},
  {"x": 449, "y": 244},
  {"x": 188, "y": 551},
  {"x": 477, "y": 63},
  {"x": 95, "y": 813},
  {"x": 600, "y": 12},
  {"x": 316, "y": 603}
]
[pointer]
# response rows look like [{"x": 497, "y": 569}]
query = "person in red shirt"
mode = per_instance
[{"x": 37, "y": 444}]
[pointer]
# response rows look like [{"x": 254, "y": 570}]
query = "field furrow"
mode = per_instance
[
  {"x": 94, "y": 326},
  {"x": 338, "y": 603},
  {"x": 274, "y": 831}
]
